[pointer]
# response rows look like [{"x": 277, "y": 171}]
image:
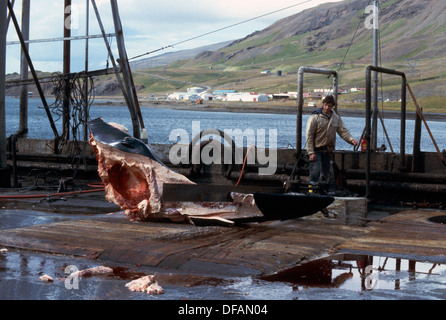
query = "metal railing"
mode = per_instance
[
  {"x": 300, "y": 98},
  {"x": 368, "y": 113}
]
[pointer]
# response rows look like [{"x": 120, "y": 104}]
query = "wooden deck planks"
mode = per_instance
[
  {"x": 277, "y": 246},
  {"x": 265, "y": 247},
  {"x": 406, "y": 233},
  {"x": 260, "y": 248},
  {"x": 80, "y": 237}
]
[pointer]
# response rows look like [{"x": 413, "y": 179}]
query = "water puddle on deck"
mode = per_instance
[
  {"x": 340, "y": 277},
  {"x": 366, "y": 276}
]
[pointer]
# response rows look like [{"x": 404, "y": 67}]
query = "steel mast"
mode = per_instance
[{"x": 374, "y": 142}]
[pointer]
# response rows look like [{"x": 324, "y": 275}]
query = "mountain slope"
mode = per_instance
[
  {"x": 409, "y": 29},
  {"x": 170, "y": 57},
  {"x": 412, "y": 40}
]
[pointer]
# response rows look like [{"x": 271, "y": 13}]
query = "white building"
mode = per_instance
[
  {"x": 206, "y": 96},
  {"x": 246, "y": 97},
  {"x": 176, "y": 96},
  {"x": 192, "y": 97}
]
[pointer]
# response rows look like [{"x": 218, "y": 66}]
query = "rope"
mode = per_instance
[
  {"x": 243, "y": 167},
  {"x": 97, "y": 188},
  {"x": 351, "y": 43},
  {"x": 81, "y": 98}
]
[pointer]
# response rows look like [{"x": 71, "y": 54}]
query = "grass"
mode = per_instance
[
  {"x": 250, "y": 79},
  {"x": 244, "y": 74},
  {"x": 431, "y": 104}
]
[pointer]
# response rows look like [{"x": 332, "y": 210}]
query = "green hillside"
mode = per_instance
[{"x": 412, "y": 40}]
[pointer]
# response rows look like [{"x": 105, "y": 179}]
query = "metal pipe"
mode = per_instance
[
  {"x": 400, "y": 186},
  {"x": 396, "y": 176},
  {"x": 23, "y": 123},
  {"x": 403, "y": 119},
  {"x": 116, "y": 69},
  {"x": 123, "y": 62},
  {"x": 3, "y": 22},
  {"x": 50, "y": 157},
  {"x": 374, "y": 137},
  {"x": 66, "y": 70},
  {"x": 369, "y": 70},
  {"x": 14, "y": 160},
  {"x": 9, "y": 17},
  {"x": 368, "y": 97},
  {"x": 300, "y": 98},
  {"x": 94, "y": 73},
  {"x": 87, "y": 30},
  {"x": 93, "y": 36},
  {"x": 255, "y": 177}
]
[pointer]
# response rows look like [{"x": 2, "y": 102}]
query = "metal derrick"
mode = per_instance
[{"x": 67, "y": 81}]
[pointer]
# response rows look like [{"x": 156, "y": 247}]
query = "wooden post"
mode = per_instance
[
  {"x": 421, "y": 116},
  {"x": 416, "y": 145}
]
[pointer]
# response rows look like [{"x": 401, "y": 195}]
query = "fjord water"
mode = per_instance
[{"x": 160, "y": 123}]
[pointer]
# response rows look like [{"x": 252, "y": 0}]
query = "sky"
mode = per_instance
[{"x": 148, "y": 25}]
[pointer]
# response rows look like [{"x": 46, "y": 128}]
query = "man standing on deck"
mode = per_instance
[{"x": 322, "y": 127}]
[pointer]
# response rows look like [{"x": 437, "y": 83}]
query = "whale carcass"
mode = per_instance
[{"x": 134, "y": 177}]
